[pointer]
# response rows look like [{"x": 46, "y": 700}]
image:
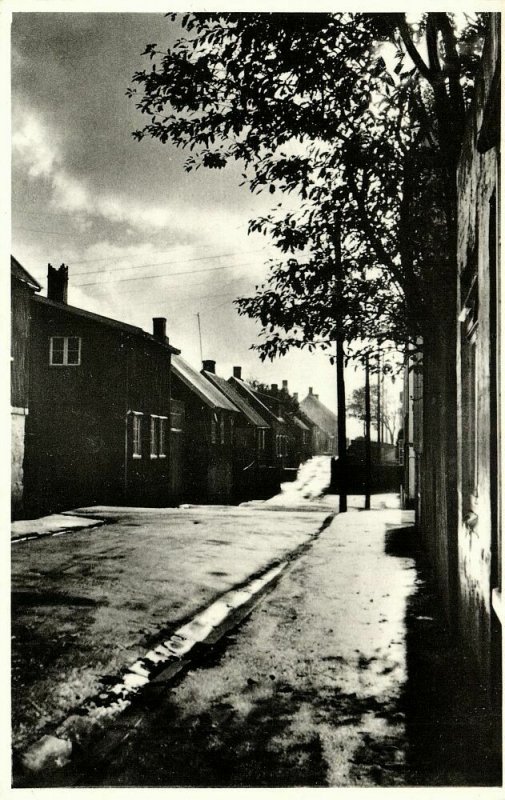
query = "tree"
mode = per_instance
[
  {"x": 388, "y": 410},
  {"x": 346, "y": 111}
]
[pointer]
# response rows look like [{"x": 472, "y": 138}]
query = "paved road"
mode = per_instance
[{"x": 87, "y": 604}]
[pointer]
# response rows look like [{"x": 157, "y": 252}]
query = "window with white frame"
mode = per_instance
[
  {"x": 137, "y": 435},
  {"x": 162, "y": 448},
  {"x": 65, "y": 351},
  {"x": 158, "y": 436},
  {"x": 154, "y": 437}
]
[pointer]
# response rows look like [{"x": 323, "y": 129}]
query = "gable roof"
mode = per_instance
[
  {"x": 251, "y": 394},
  {"x": 23, "y": 276},
  {"x": 240, "y": 402},
  {"x": 319, "y": 414},
  {"x": 300, "y": 423},
  {"x": 197, "y": 383},
  {"x": 111, "y": 323}
]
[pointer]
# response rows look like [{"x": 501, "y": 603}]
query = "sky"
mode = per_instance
[{"x": 142, "y": 238}]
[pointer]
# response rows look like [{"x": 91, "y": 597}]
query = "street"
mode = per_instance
[
  {"x": 88, "y": 603},
  {"x": 317, "y": 682}
]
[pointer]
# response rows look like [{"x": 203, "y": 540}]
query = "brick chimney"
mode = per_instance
[
  {"x": 209, "y": 366},
  {"x": 160, "y": 328},
  {"x": 285, "y": 385},
  {"x": 295, "y": 396},
  {"x": 275, "y": 387},
  {"x": 57, "y": 283},
  {"x": 310, "y": 390},
  {"x": 237, "y": 373}
]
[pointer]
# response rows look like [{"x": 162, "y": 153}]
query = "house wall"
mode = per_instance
[
  {"x": 20, "y": 329},
  {"x": 207, "y": 466},
  {"x": 478, "y": 479},
  {"x": 79, "y": 431}
]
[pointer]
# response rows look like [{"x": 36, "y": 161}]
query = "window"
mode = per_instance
[
  {"x": 158, "y": 436},
  {"x": 137, "y": 435},
  {"x": 176, "y": 416},
  {"x": 262, "y": 436},
  {"x": 213, "y": 429},
  {"x": 65, "y": 351},
  {"x": 162, "y": 451},
  {"x": 154, "y": 437},
  {"x": 221, "y": 429}
]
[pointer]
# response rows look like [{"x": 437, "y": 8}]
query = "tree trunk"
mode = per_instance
[{"x": 341, "y": 429}]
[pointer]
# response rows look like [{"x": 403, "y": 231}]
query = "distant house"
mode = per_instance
[
  {"x": 99, "y": 402},
  {"x": 276, "y": 444},
  {"x": 206, "y": 440},
  {"x": 23, "y": 287},
  {"x": 252, "y": 477},
  {"x": 324, "y": 431}
]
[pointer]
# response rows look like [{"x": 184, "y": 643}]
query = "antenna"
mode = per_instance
[{"x": 200, "y": 335}]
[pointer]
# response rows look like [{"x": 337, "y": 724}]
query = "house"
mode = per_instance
[
  {"x": 276, "y": 444},
  {"x": 455, "y": 432},
  {"x": 251, "y": 476},
  {"x": 297, "y": 430},
  {"x": 99, "y": 403},
  {"x": 23, "y": 287},
  {"x": 324, "y": 421},
  {"x": 477, "y": 557},
  {"x": 206, "y": 439}
]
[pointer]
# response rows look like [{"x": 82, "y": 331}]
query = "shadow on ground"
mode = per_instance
[{"x": 450, "y": 726}]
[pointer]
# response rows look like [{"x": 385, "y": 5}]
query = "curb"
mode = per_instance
[
  {"x": 162, "y": 662},
  {"x": 97, "y": 523}
]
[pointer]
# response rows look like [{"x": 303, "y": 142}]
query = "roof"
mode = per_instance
[
  {"x": 297, "y": 421},
  {"x": 252, "y": 394},
  {"x": 22, "y": 275},
  {"x": 232, "y": 394},
  {"x": 112, "y": 323},
  {"x": 206, "y": 391},
  {"x": 319, "y": 414}
]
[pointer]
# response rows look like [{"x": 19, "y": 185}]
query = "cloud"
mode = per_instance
[
  {"x": 37, "y": 152},
  {"x": 41, "y": 155}
]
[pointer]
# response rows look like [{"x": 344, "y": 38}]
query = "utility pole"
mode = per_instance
[
  {"x": 200, "y": 336},
  {"x": 379, "y": 414},
  {"x": 368, "y": 449}
]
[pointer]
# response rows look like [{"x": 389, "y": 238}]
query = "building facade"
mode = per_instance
[
  {"x": 100, "y": 408},
  {"x": 23, "y": 287}
]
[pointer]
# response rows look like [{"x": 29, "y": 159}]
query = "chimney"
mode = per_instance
[
  {"x": 316, "y": 396},
  {"x": 57, "y": 283},
  {"x": 285, "y": 385},
  {"x": 275, "y": 387},
  {"x": 237, "y": 373},
  {"x": 310, "y": 390},
  {"x": 295, "y": 396},
  {"x": 209, "y": 366},
  {"x": 160, "y": 328}
]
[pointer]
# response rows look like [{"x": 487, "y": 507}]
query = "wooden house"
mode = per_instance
[
  {"x": 252, "y": 477},
  {"x": 276, "y": 438},
  {"x": 324, "y": 421},
  {"x": 23, "y": 287},
  {"x": 100, "y": 404},
  {"x": 206, "y": 438}
]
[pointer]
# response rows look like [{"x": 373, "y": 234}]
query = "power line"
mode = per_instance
[
  {"x": 166, "y": 263},
  {"x": 105, "y": 284}
]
